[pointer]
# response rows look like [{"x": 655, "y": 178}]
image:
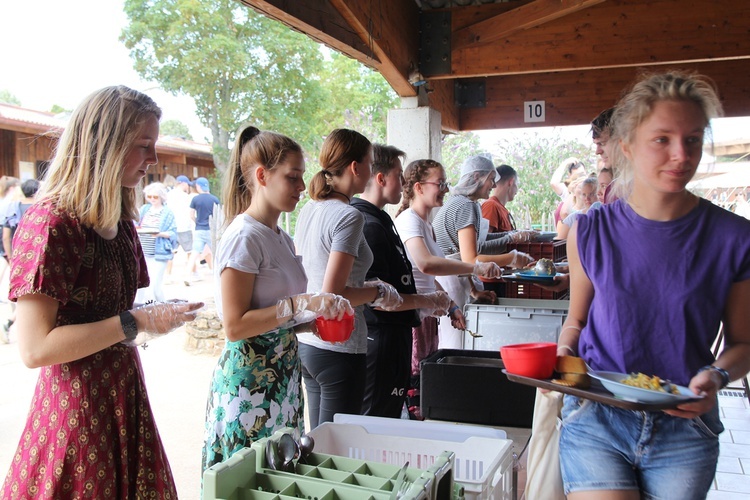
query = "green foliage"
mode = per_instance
[
  {"x": 8, "y": 98},
  {"x": 535, "y": 156},
  {"x": 238, "y": 66},
  {"x": 57, "y": 109},
  {"x": 455, "y": 149},
  {"x": 175, "y": 128},
  {"x": 358, "y": 97}
]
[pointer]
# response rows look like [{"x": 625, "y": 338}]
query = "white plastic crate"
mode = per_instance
[
  {"x": 483, "y": 466},
  {"x": 419, "y": 428},
  {"x": 513, "y": 321}
]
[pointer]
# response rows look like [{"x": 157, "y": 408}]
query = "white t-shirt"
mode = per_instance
[
  {"x": 254, "y": 248},
  {"x": 332, "y": 226},
  {"x": 179, "y": 202},
  {"x": 410, "y": 225}
]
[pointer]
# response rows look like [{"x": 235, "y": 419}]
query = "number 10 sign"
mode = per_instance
[{"x": 533, "y": 111}]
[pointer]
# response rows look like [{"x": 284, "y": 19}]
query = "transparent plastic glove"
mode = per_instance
[
  {"x": 388, "y": 297},
  {"x": 160, "y": 318},
  {"x": 487, "y": 269},
  {"x": 305, "y": 307},
  {"x": 520, "y": 259},
  {"x": 523, "y": 236},
  {"x": 437, "y": 305}
]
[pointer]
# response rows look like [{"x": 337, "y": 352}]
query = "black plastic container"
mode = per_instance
[{"x": 470, "y": 387}]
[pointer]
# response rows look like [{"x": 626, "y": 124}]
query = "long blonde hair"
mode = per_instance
[
  {"x": 636, "y": 106},
  {"x": 85, "y": 176},
  {"x": 251, "y": 149}
]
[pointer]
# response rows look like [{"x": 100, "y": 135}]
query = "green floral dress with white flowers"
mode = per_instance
[{"x": 256, "y": 390}]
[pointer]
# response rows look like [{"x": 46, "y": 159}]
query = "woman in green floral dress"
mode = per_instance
[{"x": 260, "y": 285}]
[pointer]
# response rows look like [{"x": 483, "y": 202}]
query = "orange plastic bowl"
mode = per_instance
[
  {"x": 333, "y": 330},
  {"x": 535, "y": 360}
]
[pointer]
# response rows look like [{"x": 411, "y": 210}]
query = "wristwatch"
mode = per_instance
[
  {"x": 721, "y": 371},
  {"x": 129, "y": 327}
]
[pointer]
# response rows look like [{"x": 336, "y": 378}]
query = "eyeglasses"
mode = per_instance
[
  {"x": 442, "y": 185},
  {"x": 152, "y": 196}
]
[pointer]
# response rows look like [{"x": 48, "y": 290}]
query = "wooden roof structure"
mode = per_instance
[{"x": 479, "y": 62}]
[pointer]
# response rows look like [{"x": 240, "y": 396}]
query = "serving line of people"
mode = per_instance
[{"x": 90, "y": 429}]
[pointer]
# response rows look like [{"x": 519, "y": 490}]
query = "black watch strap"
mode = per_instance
[
  {"x": 721, "y": 371},
  {"x": 129, "y": 327}
]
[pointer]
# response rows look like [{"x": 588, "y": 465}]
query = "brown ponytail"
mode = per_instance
[
  {"x": 340, "y": 149},
  {"x": 252, "y": 148}
]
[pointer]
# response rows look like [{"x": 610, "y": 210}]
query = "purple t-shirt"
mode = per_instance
[{"x": 659, "y": 287}]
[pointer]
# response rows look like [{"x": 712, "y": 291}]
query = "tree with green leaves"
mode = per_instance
[
  {"x": 455, "y": 149},
  {"x": 8, "y": 98},
  {"x": 238, "y": 66},
  {"x": 535, "y": 156},
  {"x": 175, "y": 128}
]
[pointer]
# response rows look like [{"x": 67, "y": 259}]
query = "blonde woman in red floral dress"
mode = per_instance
[{"x": 76, "y": 266}]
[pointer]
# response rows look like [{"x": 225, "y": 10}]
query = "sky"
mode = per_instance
[{"x": 56, "y": 52}]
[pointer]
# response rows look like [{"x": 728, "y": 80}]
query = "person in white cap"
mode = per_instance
[{"x": 463, "y": 234}]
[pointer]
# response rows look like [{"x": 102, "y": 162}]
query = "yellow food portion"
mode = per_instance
[{"x": 654, "y": 383}]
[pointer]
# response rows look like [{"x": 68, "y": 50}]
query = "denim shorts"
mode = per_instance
[
  {"x": 201, "y": 239},
  {"x": 607, "y": 448}
]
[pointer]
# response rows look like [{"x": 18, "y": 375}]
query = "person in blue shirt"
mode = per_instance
[{"x": 201, "y": 210}]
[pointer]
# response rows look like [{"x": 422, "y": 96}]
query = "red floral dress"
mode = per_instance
[{"x": 90, "y": 432}]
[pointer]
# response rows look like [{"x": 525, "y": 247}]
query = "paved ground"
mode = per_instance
[{"x": 177, "y": 383}]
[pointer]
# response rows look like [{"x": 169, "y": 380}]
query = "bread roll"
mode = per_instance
[{"x": 570, "y": 364}]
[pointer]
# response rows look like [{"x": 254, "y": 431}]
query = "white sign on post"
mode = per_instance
[{"x": 533, "y": 111}]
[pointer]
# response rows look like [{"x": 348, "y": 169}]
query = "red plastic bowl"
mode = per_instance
[
  {"x": 333, "y": 330},
  {"x": 535, "y": 360}
]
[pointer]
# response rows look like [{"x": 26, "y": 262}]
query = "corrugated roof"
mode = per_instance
[{"x": 45, "y": 120}]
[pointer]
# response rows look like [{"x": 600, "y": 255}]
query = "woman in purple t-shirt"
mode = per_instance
[{"x": 652, "y": 276}]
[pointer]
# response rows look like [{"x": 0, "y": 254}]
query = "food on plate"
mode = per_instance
[
  {"x": 545, "y": 267},
  {"x": 564, "y": 383},
  {"x": 573, "y": 371},
  {"x": 643, "y": 381}
]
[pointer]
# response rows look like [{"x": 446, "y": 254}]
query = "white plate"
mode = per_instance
[{"x": 611, "y": 382}]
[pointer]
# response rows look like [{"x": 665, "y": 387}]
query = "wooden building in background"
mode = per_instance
[{"x": 28, "y": 139}]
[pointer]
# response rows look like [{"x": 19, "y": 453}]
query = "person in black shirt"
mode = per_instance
[{"x": 388, "y": 333}]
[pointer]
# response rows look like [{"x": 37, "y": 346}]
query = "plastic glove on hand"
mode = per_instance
[
  {"x": 388, "y": 297},
  {"x": 520, "y": 259},
  {"x": 160, "y": 318},
  {"x": 305, "y": 307},
  {"x": 437, "y": 301},
  {"x": 487, "y": 269}
]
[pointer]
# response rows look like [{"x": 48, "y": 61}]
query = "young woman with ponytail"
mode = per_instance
[
  {"x": 336, "y": 257},
  {"x": 260, "y": 296}
]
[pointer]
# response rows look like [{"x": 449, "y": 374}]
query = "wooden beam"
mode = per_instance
[
  {"x": 521, "y": 18},
  {"x": 381, "y": 34},
  {"x": 441, "y": 98},
  {"x": 318, "y": 20},
  {"x": 617, "y": 33},
  {"x": 576, "y": 97},
  {"x": 390, "y": 28}
]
